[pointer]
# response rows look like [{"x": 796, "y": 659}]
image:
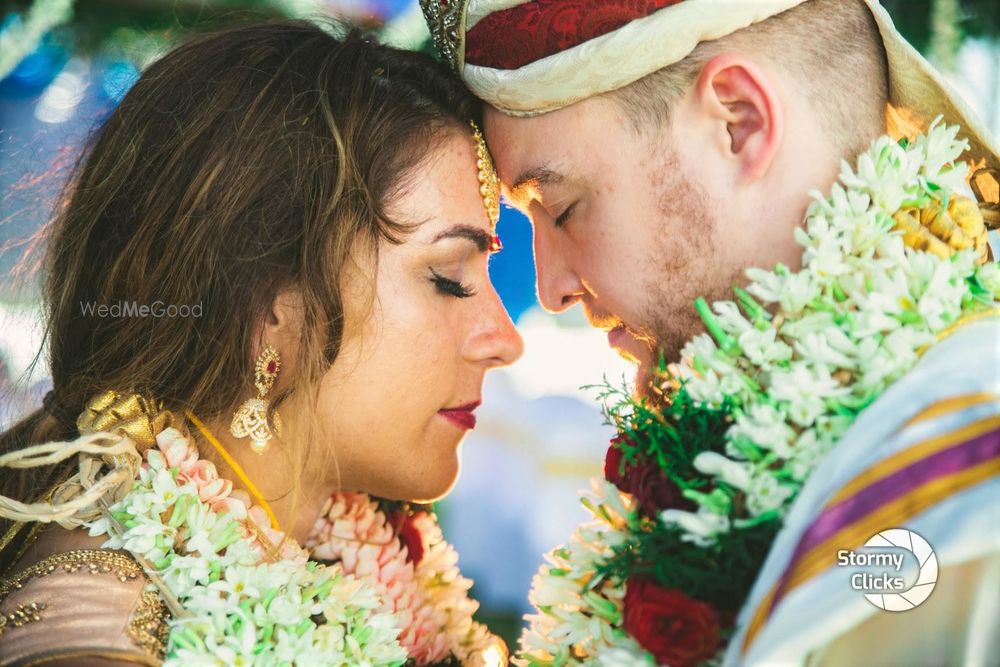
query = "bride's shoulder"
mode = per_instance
[{"x": 67, "y": 601}]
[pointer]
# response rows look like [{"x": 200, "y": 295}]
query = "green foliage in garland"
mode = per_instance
[{"x": 670, "y": 435}]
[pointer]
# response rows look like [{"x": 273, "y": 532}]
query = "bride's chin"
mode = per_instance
[
  {"x": 439, "y": 482},
  {"x": 425, "y": 483}
]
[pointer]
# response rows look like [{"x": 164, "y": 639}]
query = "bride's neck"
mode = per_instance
[{"x": 295, "y": 499}]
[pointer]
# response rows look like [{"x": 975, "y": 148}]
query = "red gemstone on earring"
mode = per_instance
[{"x": 272, "y": 367}]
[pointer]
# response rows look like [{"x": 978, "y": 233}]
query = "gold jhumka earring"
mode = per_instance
[
  {"x": 251, "y": 419},
  {"x": 489, "y": 184}
]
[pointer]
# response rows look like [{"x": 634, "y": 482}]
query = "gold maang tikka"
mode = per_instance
[
  {"x": 489, "y": 184},
  {"x": 251, "y": 419}
]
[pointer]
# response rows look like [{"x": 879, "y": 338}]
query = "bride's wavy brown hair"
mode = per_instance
[{"x": 242, "y": 163}]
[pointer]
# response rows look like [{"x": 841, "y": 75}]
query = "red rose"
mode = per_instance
[
  {"x": 613, "y": 465},
  {"x": 677, "y": 630},
  {"x": 655, "y": 491},
  {"x": 646, "y": 481}
]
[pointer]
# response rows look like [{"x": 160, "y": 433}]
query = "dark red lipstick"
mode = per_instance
[{"x": 462, "y": 416}]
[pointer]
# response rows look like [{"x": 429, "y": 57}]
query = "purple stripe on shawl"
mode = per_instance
[{"x": 948, "y": 461}]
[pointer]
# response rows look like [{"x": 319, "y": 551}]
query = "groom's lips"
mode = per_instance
[
  {"x": 616, "y": 335},
  {"x": 627, "y": 344},
  {"x": 462, "y": 416}
]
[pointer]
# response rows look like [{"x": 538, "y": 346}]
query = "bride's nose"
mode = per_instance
[{"x": 493, "y": 339}]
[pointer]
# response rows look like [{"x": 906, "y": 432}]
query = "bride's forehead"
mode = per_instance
[{"x": 429, "y": 215}]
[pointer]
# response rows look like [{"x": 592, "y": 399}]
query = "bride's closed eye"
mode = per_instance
[
  {"x": 461, "y": 235},
  {"x": 450, "y": 287}
]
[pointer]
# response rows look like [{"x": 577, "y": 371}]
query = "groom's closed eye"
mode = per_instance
[{"x": 564, "y": 217}]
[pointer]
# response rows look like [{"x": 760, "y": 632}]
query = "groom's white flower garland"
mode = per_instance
[
  {"x": 253, "y": 597},
  {"x": 849, "y": 324}
]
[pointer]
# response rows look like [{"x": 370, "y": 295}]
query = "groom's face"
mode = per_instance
[{"x": 623, "y": 222}]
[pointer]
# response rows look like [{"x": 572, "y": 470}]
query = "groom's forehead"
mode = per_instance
[
  {"x": 527, "y": 167},
  {"x": 542, "y": 150}
]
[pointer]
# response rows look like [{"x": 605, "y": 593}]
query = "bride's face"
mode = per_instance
[{"x": 402, "y": 392}]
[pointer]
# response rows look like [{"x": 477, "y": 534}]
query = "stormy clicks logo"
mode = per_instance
[{"x": 880, "y": 565}]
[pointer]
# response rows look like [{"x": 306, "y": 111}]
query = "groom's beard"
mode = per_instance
[{"x": 686, "y": 263}]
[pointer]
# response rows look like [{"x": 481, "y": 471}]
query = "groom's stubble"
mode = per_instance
[{"x": 685, "y": 261}]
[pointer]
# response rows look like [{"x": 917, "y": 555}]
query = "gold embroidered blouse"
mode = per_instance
[{"x": 92, "y": 603}]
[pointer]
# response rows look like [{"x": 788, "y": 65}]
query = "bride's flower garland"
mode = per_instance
[
  {"x": 254, "y": 597},
  {"x": 697, "y": 484},
  {"x": 400, "y": 550}
]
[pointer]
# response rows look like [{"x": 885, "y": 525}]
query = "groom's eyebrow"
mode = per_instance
[
  {"x": 536, "y": 178},
  {"x": 477, "y": 235}
]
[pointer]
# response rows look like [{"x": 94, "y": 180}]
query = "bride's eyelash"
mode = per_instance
[{"x": 450, "y": 287}]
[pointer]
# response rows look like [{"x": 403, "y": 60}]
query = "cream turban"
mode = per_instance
[{"x": 529, "y": 57}]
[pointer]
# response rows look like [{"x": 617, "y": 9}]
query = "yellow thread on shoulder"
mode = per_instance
[
  {"x": 227, "y": 457},
  {"x": 950, "y": 405}
]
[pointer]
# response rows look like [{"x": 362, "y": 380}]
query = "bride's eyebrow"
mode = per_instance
[{"x": 477, "y": 235}]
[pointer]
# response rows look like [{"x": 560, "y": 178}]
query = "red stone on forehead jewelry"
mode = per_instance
[
  {"x": 272, "y": 367},
  {"x": 515, "y": 37}
]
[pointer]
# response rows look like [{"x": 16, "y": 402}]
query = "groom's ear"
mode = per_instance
[{"x": 741, "y": 99}]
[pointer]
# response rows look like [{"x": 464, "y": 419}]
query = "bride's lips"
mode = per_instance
[{"x": 462, "y": 416}]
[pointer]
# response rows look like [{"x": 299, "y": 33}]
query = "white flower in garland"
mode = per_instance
[
  {"x": 989, "y": 277},
  {"x": 702, "y": 527},
  {"x": 574, "y": 609},
  {"x": 763, "y": 348},
  {"x": 793, "y": 291},
  {"x": 250, "y": 596},
  {"x": 806, "y": 389}
]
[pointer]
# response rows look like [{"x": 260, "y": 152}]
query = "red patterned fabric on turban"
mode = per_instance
[{"x": 514, "y": 37}]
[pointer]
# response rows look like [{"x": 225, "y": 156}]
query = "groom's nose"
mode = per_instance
[{"x": 559, "y": 287}]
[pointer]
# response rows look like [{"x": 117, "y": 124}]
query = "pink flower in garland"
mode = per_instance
[
  {"x": 355, "y": 532},
  {"x": 179, "y": 452},
  {"x": 405, "y": 556},
  {"x": 212, "y": 489}
]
